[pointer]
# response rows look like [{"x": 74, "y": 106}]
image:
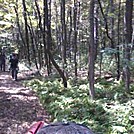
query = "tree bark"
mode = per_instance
[
  {"x": 48, "y": 42},
  {"x": 106, "y": 25},
  {"x": 26, "y": 31},
  {"x": 118, "y": 48},
  {"x": 33, "y": 42},
  {"x": 127, "y": 48},
  {"x": 75, "y": 38},
  {"x": 23, "y": 52},
  {"x": 91, "y": 50},
  {"x": 64, "y": 38},
  {"x": 48, "y": 34},
  {"x": 40, "y": 33}
]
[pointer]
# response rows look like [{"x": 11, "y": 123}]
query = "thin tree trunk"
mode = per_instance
[
  {"x": 118, "y": 48},
  {"x": 61, "y": 72},
  {"x": 91, "y": 50},
  {"x": 48, "y": 34},
  {"x": 44, "y": 32},
  {"x": 33, "y": 42},
  {"x": 26, "y": 31},
  {"x": 106, "y": 25},
  {"x": 57, "y": 26},
  {"x": 70, "y": 33},
  {"x": 40, "y": 34},
  {"x": 48, "y": 41},
  {"x": 64, "y": 40},
  {"x": 23, "y": 52},
  {"x": 75, "y": 38},
  {"x": 96, "y": 31}
]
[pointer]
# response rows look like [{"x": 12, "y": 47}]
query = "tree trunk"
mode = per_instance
[
  {"x": 106, "y": 25},
  {"x": 91, "y": 50},
  {"x": 64, "y": 40},
  {"x": 26, "y": 31},
  {"x": 61, "y": 72},
  {"x": 96, "y": 31},
  {"x": 75, "y": 38},
  {"x": 48, "y": 33},
  {"x": 44, "y": 33},
  {"x": 33, "y": 42},
  {"x": 70, "y": 33},
  {"x": 48, "y": 41},
  {"x": 118, "y": 48},
  {"x": 23, "y": 52},
  {"x": 40, "y": 33},
  {"x": 127, "y": 48}
]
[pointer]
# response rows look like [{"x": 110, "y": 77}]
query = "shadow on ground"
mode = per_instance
[{"x": 19, "y": 106}]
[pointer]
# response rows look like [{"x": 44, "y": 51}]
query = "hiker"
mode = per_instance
[
  {"x": 14, "y": 65},
  {"x": 2, "y": 61},
  {"x": 59, "y": 128}
]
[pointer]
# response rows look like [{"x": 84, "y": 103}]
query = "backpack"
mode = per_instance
[{"x": 35, "y": 127}]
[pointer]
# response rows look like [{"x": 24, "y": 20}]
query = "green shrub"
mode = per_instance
[{"x": 111, "y": 112}]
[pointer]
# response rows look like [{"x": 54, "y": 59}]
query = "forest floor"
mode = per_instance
[{"x": 19, "y": 105}]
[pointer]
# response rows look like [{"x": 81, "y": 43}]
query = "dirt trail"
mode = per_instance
[{"x": 19, "y": 106}]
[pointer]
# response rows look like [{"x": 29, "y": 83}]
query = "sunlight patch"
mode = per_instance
[
  {"x": 120, "y": 129},
  {"x": 3, "y": 77},
  {"x": 23, "y": 67}
]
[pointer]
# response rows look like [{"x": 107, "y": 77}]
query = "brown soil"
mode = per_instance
[{"x": 19, "y": 106}]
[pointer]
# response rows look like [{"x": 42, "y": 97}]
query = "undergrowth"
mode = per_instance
[{"x": 111, "y": 113}]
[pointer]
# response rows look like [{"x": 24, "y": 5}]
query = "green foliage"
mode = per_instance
[
  {"x": 108, "y": 62},
  {"x": 111, "y": 113}
]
